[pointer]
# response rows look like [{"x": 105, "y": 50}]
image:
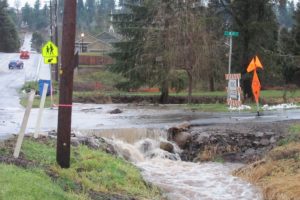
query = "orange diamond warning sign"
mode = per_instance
[{"x": 256, "y": 86}]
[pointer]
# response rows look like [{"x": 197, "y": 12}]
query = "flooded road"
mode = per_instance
[{"x": 134, "y": 127}]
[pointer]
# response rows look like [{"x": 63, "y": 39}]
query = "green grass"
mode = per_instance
[
  {"x": 28, "y": 184},
  {"x": 278, "y": 93},
  {"x": 104, "y": 77},
  {"x": 37, "y": 100},
  {"x": 43, "y": 153},
  {"x": 90, "y": 171},
  {"x": 293, "y": 135},
  {"x": 207, "y": 107},
  {"x": 105, "y": 173}
]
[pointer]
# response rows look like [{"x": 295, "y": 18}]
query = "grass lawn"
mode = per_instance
[
  {"x": 93, "y": 174},
  {"x": 108, "y": 78}
]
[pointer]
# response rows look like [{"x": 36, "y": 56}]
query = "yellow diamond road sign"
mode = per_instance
[
  {"x": 49, "y": 50},
  {"x": 50, "y": 60}
]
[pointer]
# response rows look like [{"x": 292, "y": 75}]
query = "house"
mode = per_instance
[
  {"x": 102, "y": 42},
  {"x": 108, "y": 37}
]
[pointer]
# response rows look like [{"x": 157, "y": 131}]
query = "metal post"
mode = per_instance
[
  {"x": 66, "y": 84},
  {"x": 82, "y": 36},
  {"x": 81, "y": 44},
  {"x": 230, "y": 53}
]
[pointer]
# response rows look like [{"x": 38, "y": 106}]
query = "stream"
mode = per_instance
[{"x": 178, "y": 180}]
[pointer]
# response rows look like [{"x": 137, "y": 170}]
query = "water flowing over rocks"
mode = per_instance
[
  {"x": 229, "y": 142},
  {"x": 160, "y": 163}
]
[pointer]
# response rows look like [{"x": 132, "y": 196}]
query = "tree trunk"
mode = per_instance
[
  {"x": 190, "y": 86},
  {"x": 211, "y": 83},
  {"x": 247, "y": 80},
  {"x": 164, "y": 96}
]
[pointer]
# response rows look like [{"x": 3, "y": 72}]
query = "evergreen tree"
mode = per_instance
[
  {"x": 107, "y": 6},
  {"x": 27, "y": 15},
  {"x": 43, "y": 20},
  {"x": 296, "y": 42},
  {"x": 132, "y": 26},
  {"x": 13, "y": 15},
  {"x": 256, "y": 22},
  {"x": 284, "y": 16},
  {"x": 81, "y": 15},
  {"x": 37, "y": 41},
  {"x": 91, "y": 10},
  {"x": 9, "y": 40}
]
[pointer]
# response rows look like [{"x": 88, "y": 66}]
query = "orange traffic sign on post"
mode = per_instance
[
  {"x": 254, "y": 64},
  {"x": 256, "y": 86}
]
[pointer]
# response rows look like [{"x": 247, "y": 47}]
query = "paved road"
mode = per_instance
[{"x": 11, "y": 81}]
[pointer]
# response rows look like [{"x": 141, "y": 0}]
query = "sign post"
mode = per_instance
[
  {"x": 254, "y": 64},
  {"x": 230, "y": 34},
  {"x": 232, "y": 79},
  {"x": 234, "y": 90}
]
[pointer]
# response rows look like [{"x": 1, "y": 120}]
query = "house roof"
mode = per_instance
[
  {"x": 86, "y": 39},
  {"x": 100, "y": 45},
  {"x": 108, "y": 37}
]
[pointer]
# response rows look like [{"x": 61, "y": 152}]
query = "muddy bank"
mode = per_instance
[
  {"x": 146, "y": 99},
  {"x": 154, "y": 99},
  {"x": 243, "y": 142}
]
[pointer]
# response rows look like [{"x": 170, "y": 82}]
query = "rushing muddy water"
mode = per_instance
[{"x": 179, "y": 180}]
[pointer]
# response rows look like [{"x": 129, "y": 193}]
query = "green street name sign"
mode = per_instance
[{"x": 231, "y": 33}]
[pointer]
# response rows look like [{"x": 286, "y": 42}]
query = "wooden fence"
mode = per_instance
[{"x": 95, "y": 60}]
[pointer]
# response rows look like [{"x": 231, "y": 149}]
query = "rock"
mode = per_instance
[
  {"x": 167, "y": 146},
  {"x": 75, "y": 141},
  {"x": 183, "y": 126},
  {"x": 250, "y": 151},
  {"x": 269, "y": 133},
  {"x": 202, "y": 138},
  {"x": 164, "y": 155},
  {"x": 259, "y": 134},
  {"x": 126, "y": 155},
  {"x": 273, "y": 140},
  {"x": 52, "y": 133},
  {"x": 93, "y": 143},
  {"x": 182, "y": 139},
  {"x": 176, "y": 129},
  {"x": 110, "y": 149},
  {"x": 264, "y": 142},
  {"x": 115, "y": 111}
]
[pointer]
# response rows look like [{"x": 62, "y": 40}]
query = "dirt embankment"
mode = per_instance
[
  {"x": 271, "y": 149},
  {"x": 148, "y": 99},
  {"x": 154, "y": 99},
  {"x": 237, "y": 142}
]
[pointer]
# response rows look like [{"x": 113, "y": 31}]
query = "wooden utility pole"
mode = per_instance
[
  {"x": 51, "y": 22},
  {"x": 56, "y": 39},
  {"x": 66, "y": 84}
]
